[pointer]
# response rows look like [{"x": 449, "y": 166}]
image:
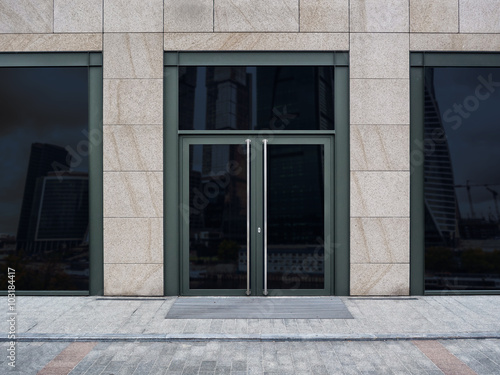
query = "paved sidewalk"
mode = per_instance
[
  {"x": 115, "y": 336},
  {"x": 436, "y": 317},
  {"x": 280, "y": 358}
]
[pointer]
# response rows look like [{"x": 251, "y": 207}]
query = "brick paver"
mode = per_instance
[{"x": 391, "y": 357}]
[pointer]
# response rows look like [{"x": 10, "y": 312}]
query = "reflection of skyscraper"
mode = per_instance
[
  {"x": 228, "y": 98},
  {"x": 63, "y": 206},
  {"x": 228, "y": 107},
  {"x": 55, "y": 204},
  {"x": 295, "y": 98},
  {"x": 43, "y": 158},
  {"x": 440, "y": 200},
  {"x": 296, "y": 194}
]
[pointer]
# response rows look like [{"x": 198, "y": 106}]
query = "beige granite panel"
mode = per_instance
[
  {"x": 455, "y": 42},
  {"x": 133, "y": 101},
  {"x": 133, "y": 194},
  {"x": 324, "y": 15},
  {"x": 479, "y": 16},
  {"x": 122, "y": 16},
  {"x": 50, "y": 42},
  {"x": 379, "y": 16},
  {"x": 133, "y": 55},
  {"x": 256, "y": 15},
  {"x": 26, "y": 16},
  {"x": 380, "y": 240},
  {"x": 378, "y": 55},
  {"x": 189, "y": 16},
  {"x": 133, "y": 240},
  {"x": 380, "y": 101},
  {"x": 380, "y": 279},
  {"x": 431, "y": 16},
  {"x": 256, "y": 41},
  {"x": 76, "y": 16},
  {"x": 133, "y": 279},
  {"x": 133, "y": 148},
  {"x": 380, "y": 147},
  {"x": 380, "y": 194}
]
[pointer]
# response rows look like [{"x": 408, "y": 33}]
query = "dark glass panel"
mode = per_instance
[
  {"x": 254, "y": 98},
  {"x": 295, "y": 217},
  {"x": 44, "y": 184},
  {"x": 217, "y": 217},
  {"x": 462, "y": 178}
]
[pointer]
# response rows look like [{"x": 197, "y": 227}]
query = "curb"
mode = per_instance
[{"x": 250, "y": 337}]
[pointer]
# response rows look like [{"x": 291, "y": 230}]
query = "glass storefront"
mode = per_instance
[
  {"x": 256, "y": 137},
  {"x": 462, "y": 178},
  {"x": 44, "y": 188}
]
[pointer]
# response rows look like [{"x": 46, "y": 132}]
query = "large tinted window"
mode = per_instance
[
  {"x": 44, "y": 178},
  {"x": 254, "y": 98},
  {"x": 462, "y": 178}
]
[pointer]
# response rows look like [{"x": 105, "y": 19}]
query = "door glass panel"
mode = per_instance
[
  {"x": 217, "y": 216},
  {"x": 295, "y": 217},
  {"x": 462, "y": 179},
  {"x": 255, "y": 98},
  {"x": 44, "y": 202}
]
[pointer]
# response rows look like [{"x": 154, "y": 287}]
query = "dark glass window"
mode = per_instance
[
  {"x": 44, "y": 199},
  {"x": 217, "y": 217},
  {"x": 296, "y": 217},
  {"x": 462, "y": 178},
  {"x": 255, "y": 98}
]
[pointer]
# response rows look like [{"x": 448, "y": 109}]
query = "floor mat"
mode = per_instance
[{"x": 259, "y": 308}]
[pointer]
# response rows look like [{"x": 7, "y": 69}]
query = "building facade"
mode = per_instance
[{"x": 156, "y": 54}]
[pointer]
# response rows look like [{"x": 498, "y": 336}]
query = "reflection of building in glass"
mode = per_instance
[
  {"x": 440, "y": 200},
  {"x": 295, "y": 98},
  {"x": 462, "y": 247},
  {"x": 264, "y": 97},
  {"x": 43, "y": 159},
  {"x": 291, "y": 260},
  {"x": 228, "y": 98},
  {"x": 296, "y": 194},
  {"x": 58, "y": 203},
  {"x": 7, "y": 242},
  {"x": 222, "y": 185},
  {"x": 63, "y": 208},
  {"x": 217, "y": 220}
]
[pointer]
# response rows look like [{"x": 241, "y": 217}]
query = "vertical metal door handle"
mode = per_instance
[
  {"x": 248, "y": 217},
  {"x": 264, "y": 141}
]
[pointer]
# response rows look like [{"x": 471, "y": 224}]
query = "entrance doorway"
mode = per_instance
[{"x": 256, "y": 215}]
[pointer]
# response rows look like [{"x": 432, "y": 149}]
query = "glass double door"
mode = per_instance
[{"x": 256, "y": 215}]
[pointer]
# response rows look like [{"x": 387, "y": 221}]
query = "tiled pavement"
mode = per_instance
[
  {"x": 115, "y": 319},
  {"x": 379, "y": 357}
]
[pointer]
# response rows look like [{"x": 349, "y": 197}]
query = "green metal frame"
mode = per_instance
[
  {"x": 339, "y": 284},
  {"x": 93, "y": 61},
  {"x": 418, "y": 62}
]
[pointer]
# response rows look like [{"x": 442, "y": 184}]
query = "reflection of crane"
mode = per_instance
[
  {"x": 467, "y": 185},
  {"x": 495, "y": 195}
]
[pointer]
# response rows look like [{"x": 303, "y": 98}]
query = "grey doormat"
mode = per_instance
[{"x": 258, "y": 308}]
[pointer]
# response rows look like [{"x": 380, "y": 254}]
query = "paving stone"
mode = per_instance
[{"x": 191, "y": 370}]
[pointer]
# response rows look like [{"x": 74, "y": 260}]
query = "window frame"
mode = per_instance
[
  {"x": 172, "y": 61},
  {"x": 418, "y": 62},
  {"x": 92, "y": 61}
]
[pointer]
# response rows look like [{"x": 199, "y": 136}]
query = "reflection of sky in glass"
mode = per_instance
[
  {"x": 475, "y": 143},
  {"x": 45, "y": 105}
]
